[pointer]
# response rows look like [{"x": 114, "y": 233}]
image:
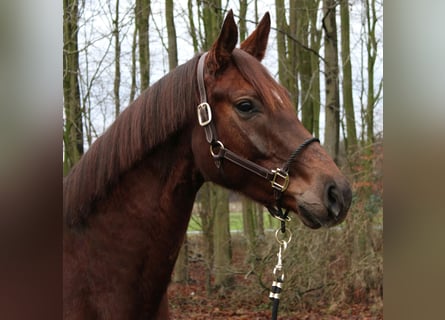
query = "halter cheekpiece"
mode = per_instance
[{"x": 279, "y": 177}]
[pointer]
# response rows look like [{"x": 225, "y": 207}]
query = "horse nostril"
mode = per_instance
[{"x": 333, "y": 200}]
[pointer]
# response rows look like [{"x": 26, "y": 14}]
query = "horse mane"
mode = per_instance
[{"x": 159, "y": 112}]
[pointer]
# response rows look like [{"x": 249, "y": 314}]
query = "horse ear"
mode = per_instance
[
  {"x": 256, "y": 43},
  {"x": 219, "y": 54}
]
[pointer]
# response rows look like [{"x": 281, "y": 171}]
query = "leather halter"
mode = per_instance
[{"x": 279, "y": 178}]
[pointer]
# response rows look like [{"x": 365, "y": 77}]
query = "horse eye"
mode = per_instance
[{"x": 245, "y": 106}]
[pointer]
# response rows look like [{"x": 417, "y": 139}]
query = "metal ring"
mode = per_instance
[
  {"x": 282, "y": 241},
  {"x": 286, "y": 219},
  {"x": 217, "y": 144}
]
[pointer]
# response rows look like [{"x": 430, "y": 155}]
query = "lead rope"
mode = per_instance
[{"x": 278, "y": 271}]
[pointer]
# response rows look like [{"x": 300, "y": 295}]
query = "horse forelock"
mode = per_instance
[{"x": 158, "y": 113}]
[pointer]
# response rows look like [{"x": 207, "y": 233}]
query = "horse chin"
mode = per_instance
[
  {"x": 308, "y": 219},
  {"x": 308, "y": 209},
  {"x": 316, "y": 216}
]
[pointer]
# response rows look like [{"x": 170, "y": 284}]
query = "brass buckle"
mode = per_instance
[
  {"x": 204, "y": 114},
  {"x": 280, "y": 180}
]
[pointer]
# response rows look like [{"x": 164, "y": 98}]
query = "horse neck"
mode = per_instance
[
  {"x": 156, "y": 195},
  {"x": 135, "y": 234}
]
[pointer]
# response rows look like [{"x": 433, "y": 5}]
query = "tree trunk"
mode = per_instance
[
  {"x": 260, "y": 219},
  {"x": 117, "y": 64},
  {"x": 133, "y": 64},
  {"x": 206, "y": 214},
  {"x": 212, "y": 20},
  {"x": 142, "y": 18},
  {"x": 193, "y": 31},
  {"x": 242, "y": 20},
  {"x": 348, "y": 104},
  {"x": 315, "y": 36},
  {"x": 332, "y": 129},
  {"x": 180, "y": 273},
  {"x": 371, "y": 19},
  {"x": 281, "y": 42},
  {"x": 293, "y": 56},
  {"x": 73, "y": 129},
  {"x": 249, "y": 226},
  {"x": 171, "y": 32},
  {"x": 222, "y": 246},
  {"x": 305, "y": 68}
]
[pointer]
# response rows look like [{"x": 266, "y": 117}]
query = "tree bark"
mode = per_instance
[
  {"x": 142, "y": 18},
  {"x": 371, "y": 19},
  {"x": 332, "y": 129},
  {"x": 180, "y": 273},
  {"x": 73, "y": 129},
  {"x": 133, "y": 64},
  {"x": 222, "y": 247},
  {"x": 281, "y": 42},
  {"x": 206, "y": 214},
  {"x": 242, "y": 20},
  {"x": 348, "y": 103},
  {"x": 117, "y": 64},
  {"x": 315, "y": 40},
  {"x": 249, "y": 226},
  {"x": 212, "y": 20},
  {"x": 305, "y": 67},
  {"x": 293, "y": 55},
  {"x": 193, "y": 31},
  {"x": 171, "y": 32}
]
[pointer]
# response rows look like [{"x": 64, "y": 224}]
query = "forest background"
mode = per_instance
[
  {"x": 31, "y": 37},
  {"x": 115, "y": 49}
]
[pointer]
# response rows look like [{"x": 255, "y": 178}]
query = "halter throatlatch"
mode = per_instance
[{"x": 279, "y": 177}]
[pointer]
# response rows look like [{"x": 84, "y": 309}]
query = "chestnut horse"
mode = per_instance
[{"x": 219, "y": 117}]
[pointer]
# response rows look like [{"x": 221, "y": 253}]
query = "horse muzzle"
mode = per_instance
[{"x": 326, "y": 205}]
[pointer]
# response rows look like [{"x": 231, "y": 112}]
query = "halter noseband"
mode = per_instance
[{"x": 279, "y": 178}]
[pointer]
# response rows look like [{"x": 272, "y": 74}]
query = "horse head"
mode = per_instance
[{"x": 251, "y": 115}]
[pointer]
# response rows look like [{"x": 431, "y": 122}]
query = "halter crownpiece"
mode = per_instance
[{"x": 279, "y": 177}]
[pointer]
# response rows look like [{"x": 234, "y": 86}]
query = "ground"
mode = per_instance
[{"x": 247, "y": 300}]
